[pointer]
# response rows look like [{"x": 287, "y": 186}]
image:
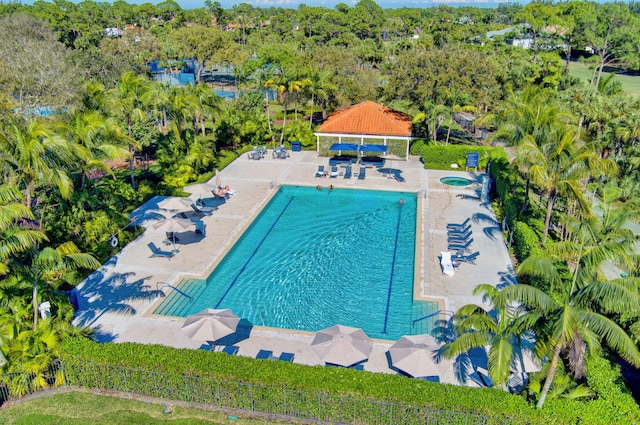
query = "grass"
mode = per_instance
[
  {"x": 630, "y": 84},
  {"x": 80, "y": 408}
]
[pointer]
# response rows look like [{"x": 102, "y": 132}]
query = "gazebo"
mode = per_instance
[{"x": 367, "y": 123}]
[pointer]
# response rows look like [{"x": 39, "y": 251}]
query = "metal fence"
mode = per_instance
[{"x": 237, "y": 396}]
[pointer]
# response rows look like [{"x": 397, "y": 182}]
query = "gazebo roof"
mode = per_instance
[{"x": 368, "y": 118}]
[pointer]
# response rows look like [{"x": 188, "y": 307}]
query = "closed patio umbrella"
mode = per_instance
[
  {"x": 414, "y": 355},
  {"x": 211, "y": 325},
  {"x": 342, "y": 345}
]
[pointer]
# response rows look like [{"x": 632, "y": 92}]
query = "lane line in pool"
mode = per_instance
[
  {"x": 244, "y": 266},
  {"x": 393, "y": 264}
]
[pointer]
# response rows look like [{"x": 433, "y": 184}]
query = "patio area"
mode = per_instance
[{"x": 117, "y": 300}]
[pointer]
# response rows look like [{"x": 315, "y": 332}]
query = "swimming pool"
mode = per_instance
[{"x": 316, "y": 258}]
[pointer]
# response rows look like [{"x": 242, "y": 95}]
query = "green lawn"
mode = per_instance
[
  {"x": 629, "y": 83},
  {"x": 78, "y": 408}
]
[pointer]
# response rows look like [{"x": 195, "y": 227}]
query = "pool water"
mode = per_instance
[
  {"x": 456, "y": 181},
  {"x": 316, "y": 258}
]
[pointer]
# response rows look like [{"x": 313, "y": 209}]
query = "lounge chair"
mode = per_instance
[
  {"x": 320, "y": 172},
  {"x": 157, "y": 252},
  {"x": 362, "y": 173},
  {"x": 202, "y": 210},
  {"x": 459, "y": 226},
  {"x": 286, "y": 357},
  {"x": 471, "y": 258},
  {"x": 459, "y": 238},
  {"x": 347, "y": 172},
  {"x": 334, "y": 172},
  {"x": 265, "y": 355},
  {"x": 446, "y": 264},
  {"x": 459, "y": 231},
  {"x": 201, "y": 228},
  {"x": 460, "y": 246},
  {"x": 232, "y": 350}
]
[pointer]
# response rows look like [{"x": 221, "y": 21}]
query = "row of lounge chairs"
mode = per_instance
[
  {"x": 334, "y": 173},
  {"x": 459, "y": 239},
  {"x": 268, "y": 355}
]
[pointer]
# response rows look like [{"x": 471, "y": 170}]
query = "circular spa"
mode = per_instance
[{"x": 455, "y": 181}]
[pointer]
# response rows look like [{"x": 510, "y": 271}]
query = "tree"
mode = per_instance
[
  {"x": 319, "y": 87},
  {"x": 538, "y": 17},
  {"x": 36, "y": 156},
  {"x": 501, "y": 329},
  {"x": 129, "y": 100}
]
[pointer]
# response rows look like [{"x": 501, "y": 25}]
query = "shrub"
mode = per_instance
[
  {"x": 525, "y": 240},
  {"x": 440, "y": 157}
]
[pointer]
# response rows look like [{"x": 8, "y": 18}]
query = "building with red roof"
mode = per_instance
[{"x": 367, "y": 123}]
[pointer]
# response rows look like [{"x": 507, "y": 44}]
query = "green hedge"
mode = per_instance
[
  {"x": 333, "y": 382},
  {"x": 439, "y": 157},
  {"x": 525, "y": 240}
]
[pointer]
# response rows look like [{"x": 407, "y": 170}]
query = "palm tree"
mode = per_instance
[
  {"x": 36, "y": 156},
  {"x": 501, "y": 329},
  {"x": 88, "y": 132},
  {"x": 560, "y": 166},
  {"x": 318, "y": 86},
  {"x": 208, "y": 104},
  {"x": 129, "y": 99},
  {"x": 291, "y": 86}
]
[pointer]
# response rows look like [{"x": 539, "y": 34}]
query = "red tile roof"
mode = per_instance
[{"x": 368, "y": 118}]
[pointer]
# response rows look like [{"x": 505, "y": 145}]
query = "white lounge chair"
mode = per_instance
[{"x": 446, "y": 263}]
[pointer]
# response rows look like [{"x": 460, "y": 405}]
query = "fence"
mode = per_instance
[{"x": 237, "y": 396}]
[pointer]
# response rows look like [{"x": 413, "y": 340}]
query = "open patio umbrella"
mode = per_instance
[
  {"x": 175, "y": 204},
  {"x": 343, "y": 147},
  {"x": 414, "y": 355},
  {"x": 200, "y": 188},
  {"x": 342, "y": 345},
  {"x": 173, "y": 225},
  {"x": 211, "y": 325}
]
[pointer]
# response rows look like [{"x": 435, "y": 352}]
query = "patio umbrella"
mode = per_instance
[
  {"x": 173, "y": 225},
  {"x": 342, "y": 345},
  {"x": 343, "y": 147},
  {"x": 218, "y": 179},
  {"x": 211, "y": 325},
  {"x": 414, "y": 355},
  {"x": 174, "y": 204},
  {"x": 199, "y": 188}
]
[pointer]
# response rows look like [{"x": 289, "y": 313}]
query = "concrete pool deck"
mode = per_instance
[{"x": 118, "y": 300}]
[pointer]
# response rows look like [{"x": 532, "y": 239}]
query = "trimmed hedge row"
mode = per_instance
[
  {"x": 438, "y": 157},
  {"x": 333, "y": 382}
]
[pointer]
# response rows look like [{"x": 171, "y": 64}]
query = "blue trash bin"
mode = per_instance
[{"x": 296, "y": 146}]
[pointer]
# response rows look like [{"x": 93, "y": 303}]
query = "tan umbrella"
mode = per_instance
[
  {"x": 172, "y": 225},
  {"x": 175, "y": 204},
  {"x": 342, "y": 345},
  {"x": 218, "y": 179},
  {"x": 211, "y": 325},
  {"x": 414, "y": 355},
  {"x": 200, "y": 188}
]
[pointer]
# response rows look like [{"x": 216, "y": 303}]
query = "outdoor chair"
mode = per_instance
[
  {"x": 157, "y": 252},
  {"x": 445, "y": 263},
  {"x": 347, "y": 172},
  {"x": 334, "y": 172},
  {"x": 459, "y": 238},
  {"x": 453, "y": 226},
  {"x": 459, "y": 231},
  {"x": 255, "y": 155},
  {"x": 362, "y": 173},
  {"x": 264, "y": 355},
  {"x": 202, "y": 210},
  {"x": 286, "y": 357},
  {"x": 201, "y": 228},
  {"x": 471, "y": 258},
  {"x": 460, "y": 246},
  {"x": 320, "y": 172},
  {"x": 230, "y": 349}
]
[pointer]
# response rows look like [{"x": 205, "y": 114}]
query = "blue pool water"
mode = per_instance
[{"x": 313, "y": 259}]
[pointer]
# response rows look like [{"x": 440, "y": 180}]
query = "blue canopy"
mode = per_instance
[
  {"x": 373, "y": 148},
  {"x": 343, "y": 147}
]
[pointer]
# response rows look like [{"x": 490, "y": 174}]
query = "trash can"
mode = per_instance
[{"x": 296, "y": 146}]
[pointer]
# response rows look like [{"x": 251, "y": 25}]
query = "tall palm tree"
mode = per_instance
[
  {"x": 208, "y": 104},
  {"x": 89, "y": 132},
  {"x": 560, "y": 165},
  {"x": 501, "y": 329},
  {"x": 318, "y": 87},
  {"x": 291, "y": 87},
  {"x": 129, "y": 99},
  {"x": 35, "y": 156}
]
